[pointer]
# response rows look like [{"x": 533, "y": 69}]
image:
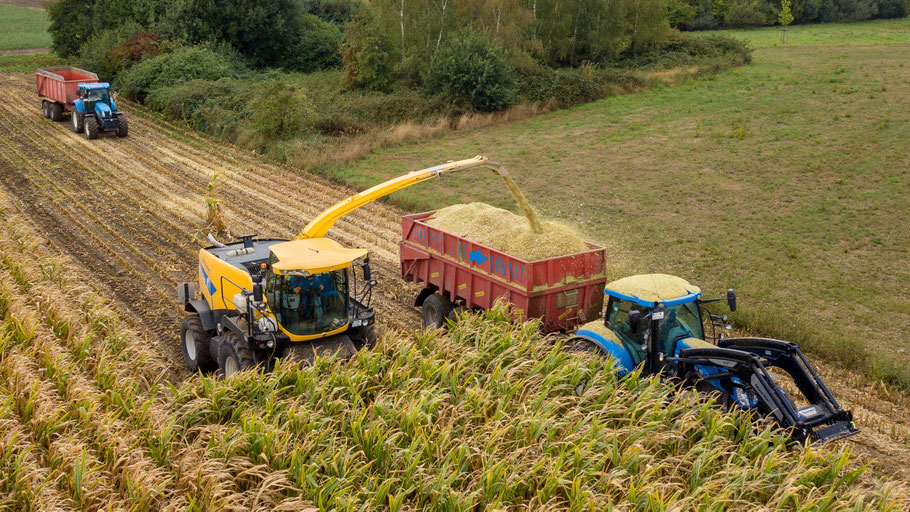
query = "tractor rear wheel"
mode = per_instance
[
  {"x": 584, "y": 346},
  {"x": 56, "y": 111},
  {"x": 124, "y": 129},
  {"x": 195, "y": 342},
  {"x": 435, "y": 310},
  {"x": 91, "y": 128},
  {"x": 233, "y": 355},
  {"x": 78, "y": 122}
]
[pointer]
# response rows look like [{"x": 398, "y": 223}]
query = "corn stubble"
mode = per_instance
[{"x": 489, "y": 415}]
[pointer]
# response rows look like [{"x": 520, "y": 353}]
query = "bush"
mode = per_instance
[
  {"x": 98, "y": 53},
  {"x": 188, "y": 63},
  {"x": 893, "y": 8},
  {"x": 682, "y": 49},
  {"x": 680, "y": 13},
  {"x": 318, "y": 46},
  {"x": 745, "y": 13},
  {"x": 471, "y": 69},
  {"x": 280, "y": 112},
  {"x": 366, "y": 56},
  {"x": 334, "y": 11}
]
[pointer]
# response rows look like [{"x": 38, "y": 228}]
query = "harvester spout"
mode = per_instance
[{"x": 319, "y": 226}]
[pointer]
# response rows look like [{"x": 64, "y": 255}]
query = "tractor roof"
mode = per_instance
[
  {"x": 97, "y": 85},
  {"x": 646, "y": 289},
  {"x": 314, "y": 255}
]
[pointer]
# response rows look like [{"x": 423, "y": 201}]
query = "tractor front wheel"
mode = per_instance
[
  {"x": 195, "y": 342},
  {"x": 435, "y": 310},
  {"x": 123, "y": 129},
  {"x": 91, "y": 128},
  {"x": 78, "y": 122},
  {"x": 233, "y": 355}
]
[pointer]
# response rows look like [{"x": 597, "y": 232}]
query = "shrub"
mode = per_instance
[
  {"x": 98, "y": 53},
  {"x": 682, "y": 49},
  {"x": 745, "y": 13},
  {"x": 471, "y": 69},
  {"x": 185, "y": 64},
  {"x": 280, "y": 112},
  {"x": 318, "y": 46},
  {"x": 366, "y": 56},
  {"x": 680, "y": 13},
  {"x": 334, "y": 11},
  {"x": 893, "y": 8}
]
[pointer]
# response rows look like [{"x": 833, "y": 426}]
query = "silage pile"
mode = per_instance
[{"x": 504, "y": 231}]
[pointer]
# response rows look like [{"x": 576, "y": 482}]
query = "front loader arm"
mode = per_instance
[{"x": 319, "y": 226}]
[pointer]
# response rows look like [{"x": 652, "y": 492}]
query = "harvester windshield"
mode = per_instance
[{"x": 306, "y": 304}]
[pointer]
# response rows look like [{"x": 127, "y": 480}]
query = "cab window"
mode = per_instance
[{"x": 618, "y": 318}]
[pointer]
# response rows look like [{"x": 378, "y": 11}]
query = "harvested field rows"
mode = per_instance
[
  {"x": 131, "y": 213},
  {"x": 132, "y": 210}
]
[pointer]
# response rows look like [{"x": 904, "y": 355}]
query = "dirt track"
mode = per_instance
[{"x": 131, "y": 211}]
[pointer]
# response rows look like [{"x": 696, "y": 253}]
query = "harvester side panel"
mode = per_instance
[
  {"x": 219, "y": 281},
  {"x": 562, "y": 291},
  {"x": 61, "y": 84}
]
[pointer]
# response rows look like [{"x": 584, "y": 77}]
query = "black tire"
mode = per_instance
[
  {"x": 195, "y": 343},
  {"x": 584, "y": 346},
  {"x": 77, "y": 122},
  {"x": 233, "y": 356},
  {"x": 435, "y": 310},
  {"x": 45, "y": 107},
  {"x": 91, "y": 128},
  {"x": 56, "y": 112},
  {"x": 124, "y": 129},
  {"x": 369, "y": 336}
]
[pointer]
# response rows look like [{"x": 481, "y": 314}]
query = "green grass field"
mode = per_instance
[
  {"x": 22, "y": 27},
  {"x": 786, "y": 179}
]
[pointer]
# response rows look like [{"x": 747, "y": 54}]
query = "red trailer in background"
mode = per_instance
[
  {"x": 456, "y": 273},
  {"x": 58, "y": 87}
]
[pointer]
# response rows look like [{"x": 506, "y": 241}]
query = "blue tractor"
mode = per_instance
[
  {"x": 95, "y": 111},
  {"x": 657, "y": 321}
]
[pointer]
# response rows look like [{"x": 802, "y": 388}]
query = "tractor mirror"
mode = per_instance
[
  {"x": 257, "y": 292},
  {"x": 731, "y": 299},
  {"x": 634, "y": 321},
  {"x": 367, "y": 275}
]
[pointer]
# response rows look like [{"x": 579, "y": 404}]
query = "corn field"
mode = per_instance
[{"x": 96, "y": 412}]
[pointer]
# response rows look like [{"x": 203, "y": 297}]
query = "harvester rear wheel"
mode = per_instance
[
  {"x": 234, "y": 356},
  {"x": 435, "y": 310},
  {"x": 195, "y": 342},
  {"x": 91, "y": 128},
  {"x": 56, "y": 111},
  {"x": 124, "y": 129},
  {"x": 78, "y": 122}
]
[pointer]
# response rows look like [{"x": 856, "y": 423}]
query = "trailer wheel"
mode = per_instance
[
  {"x": 233, "y": 355},
  {"x": 56, "y": 111},
  {"x": 435, "y": 310},
  {"x": 78, "y": 122},
  {"x": 195, "y": 342},
  {"x": 124, "y": 129},
  {"x": 91, "y": 128},
  {"x": 44, "y": 108}
]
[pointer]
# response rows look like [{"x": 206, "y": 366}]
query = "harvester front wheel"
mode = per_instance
[
  {"x": 233, "y": 356},
  {"x": 78, "y": 122},
  {"x": 124, "y": 128},
  {"x": 195, "y": 342},
  {"x": 91, "y": 128},
  {"x": 435, "y": 310}
]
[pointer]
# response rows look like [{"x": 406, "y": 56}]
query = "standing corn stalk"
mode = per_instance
[
  {"x": 213, "y": 213},
  {"x": 785, "y": 18}
]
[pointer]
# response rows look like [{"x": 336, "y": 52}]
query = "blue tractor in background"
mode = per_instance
[
  {"x": 657, "y": 322},
  {"x": 95, "y": 111}
]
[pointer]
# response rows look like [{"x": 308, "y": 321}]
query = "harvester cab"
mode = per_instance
[
  {"x": 95, "y": 110},
  {"x": 657, "y": 321},
  {"x": 261, "y": 299}
]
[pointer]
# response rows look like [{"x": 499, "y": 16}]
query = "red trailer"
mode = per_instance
[
  {"x": 456, "y": 273},
  {"x": 58, "y": 87}
]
